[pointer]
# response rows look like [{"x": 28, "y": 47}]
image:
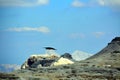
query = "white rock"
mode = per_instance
[{"x": 62, "y": 61}]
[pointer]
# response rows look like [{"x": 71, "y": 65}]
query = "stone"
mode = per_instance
[
  {"x": 63, "y": 61},
  {"x": 67, "y": 55}
]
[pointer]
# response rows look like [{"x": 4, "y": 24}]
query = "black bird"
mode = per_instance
[{"x": 49, "y": 48}]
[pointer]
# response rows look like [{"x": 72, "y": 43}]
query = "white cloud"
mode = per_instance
[
  {"x": 98, "y": 34},
  {"x": 38, "y": 29},
  {"x": 44, "y": 2},
  {"x": 101, "y": 2},
  {"x": 77, "y": 35},
  {"x": 109, "y": 3},
  {"x": 77, "y": 3},
  {"x": 10, "y": 66},
  {"x": 112, "y": 3},
  {"x": 23, "y": 3}
]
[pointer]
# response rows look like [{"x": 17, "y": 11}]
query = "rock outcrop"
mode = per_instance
[
  {"x": 36, "y": 61},
  {"x": 47, "y": 60},
  {"x": 67, "y": 55}
]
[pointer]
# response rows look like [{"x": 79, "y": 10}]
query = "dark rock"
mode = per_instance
[
  {"x": 116, "y": 39},
  {"x": 43, "y": 63},
  {"x": 67, "y": 55},
  {"x": 31, "y": 61}
]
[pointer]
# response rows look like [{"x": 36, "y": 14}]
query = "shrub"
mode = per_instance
[{"x": 116, "y": 51}]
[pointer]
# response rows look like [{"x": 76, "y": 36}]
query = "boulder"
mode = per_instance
[{"x": 67, "y": 55}]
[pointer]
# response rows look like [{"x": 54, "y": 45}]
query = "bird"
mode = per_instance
[{"x": 49, "y": 48}]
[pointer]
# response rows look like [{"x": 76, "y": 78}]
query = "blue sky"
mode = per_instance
[{"x": 26, "y": 26}]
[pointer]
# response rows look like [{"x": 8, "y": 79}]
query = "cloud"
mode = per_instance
[
  {"x": 98, "y": 34},
  {"x": 43, "y": 2},
  {"x": 109, "y": 3},
  {"x": 77, "y": 35},
  {"x": 101, "y": 2},
  {"x": 26, "y": 29},
  {"x": 10, "y": 66},
  {"x": 23, "y": 3},
  {"x": 77, "y": 3}
]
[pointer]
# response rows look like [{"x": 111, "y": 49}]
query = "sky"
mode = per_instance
[{"x": 26, "y": 26}]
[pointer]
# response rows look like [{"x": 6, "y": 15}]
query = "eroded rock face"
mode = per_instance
[{"x": 36, "y": 61}]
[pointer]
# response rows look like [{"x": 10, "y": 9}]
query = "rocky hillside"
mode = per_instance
[
  {"x": 105, "y": 65},
  {"x": 108, "y": 56},
  {"x": 113, "y": 46}
]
